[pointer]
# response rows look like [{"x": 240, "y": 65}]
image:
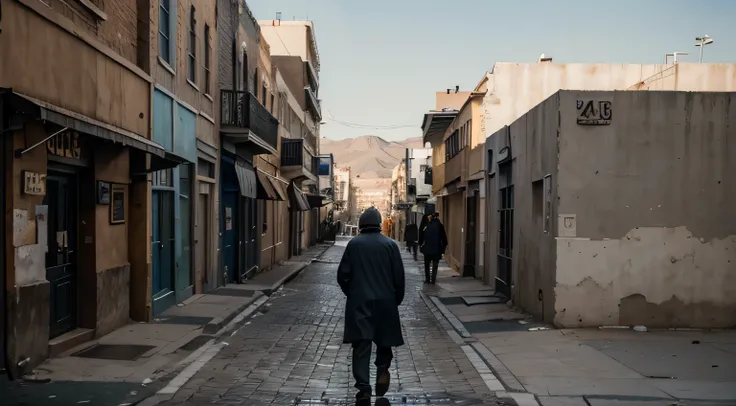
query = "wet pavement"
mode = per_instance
[{"x": 291, "y": 352}]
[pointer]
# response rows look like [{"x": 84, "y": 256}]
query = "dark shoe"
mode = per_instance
[
  {"x": 363, "y": 399},
  {"x": 383, "y": 380}
]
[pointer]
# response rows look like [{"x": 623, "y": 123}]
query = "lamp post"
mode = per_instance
[{"x": 702, "y": 42}]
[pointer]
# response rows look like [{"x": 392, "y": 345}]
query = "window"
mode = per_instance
[
  {"x": 205, "y": 168},
  {"x": 255, "y": 83},
  {"x": 164, "y": 31},
  {"x": 207, "y": 59},
  {"x": 272, "y": 103},
  {"x": 192, "y": 46},
  {"x": 263, "y": 209},
  {"x": 452, "y": 145},
  {"x": 547, "y": 209},
  {"x": 263, "y": 94}
]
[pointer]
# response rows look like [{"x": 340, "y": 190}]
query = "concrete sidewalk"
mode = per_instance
[
  {"x": 594, "y": 367},
  {"x": 135, "y": 360}
]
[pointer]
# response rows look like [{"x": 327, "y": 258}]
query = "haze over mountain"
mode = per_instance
[{"x": 368, "y": 156}]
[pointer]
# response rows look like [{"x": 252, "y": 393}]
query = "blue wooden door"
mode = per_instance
[{"x": 230, "y": 238}]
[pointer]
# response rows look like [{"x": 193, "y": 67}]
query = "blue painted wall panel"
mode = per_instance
[
  {"x": 163, "y": 124},
  {"x": 185, "y": 141}
]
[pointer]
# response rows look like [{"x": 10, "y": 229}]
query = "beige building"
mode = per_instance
[
  {"x": 615, "y": 208},
  {"x": 453, "y": 131},
  {"x": 79, "y": 145},
  {"x": 294, "y": 53},
  {"x": 515, "y": 88}
]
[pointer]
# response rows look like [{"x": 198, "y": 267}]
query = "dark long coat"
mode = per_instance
[
  {"x": 433, "y": 238},
  {"x": 411, "y": 233},
  {"x": 371, "y": 275}
]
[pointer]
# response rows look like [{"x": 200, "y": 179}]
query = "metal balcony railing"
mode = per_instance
[
  {"x": 292, "y": 152},
  {"x": 242, "y": 109},
  {"x": 313, "y": 103}
]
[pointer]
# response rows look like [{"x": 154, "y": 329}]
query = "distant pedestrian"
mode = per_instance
[
  {"x": 371, "y": 275},
  {"x": 433, "y": 241},
  {"x": 411, "y": 235}
]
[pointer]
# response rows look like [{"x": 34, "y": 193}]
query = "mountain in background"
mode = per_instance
[{"x": 368, "y": 156}]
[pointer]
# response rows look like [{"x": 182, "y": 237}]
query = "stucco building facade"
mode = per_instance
[
  {"x": 613, "y": 208},
  {"x": 78, "y": 150}
]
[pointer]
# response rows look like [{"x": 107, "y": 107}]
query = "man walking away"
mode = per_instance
[
  {"x": 433, "y": 244},
  {"x": 410, "y": 236},
  {"x": 371, "y": 275}
]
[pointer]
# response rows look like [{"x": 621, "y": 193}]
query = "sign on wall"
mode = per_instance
[
  {"x": 34, "y": 183},
  {"x": 594, "y": 112},
  {"x": 65, "y": 145},
  {"x": 117, "y": 204}
]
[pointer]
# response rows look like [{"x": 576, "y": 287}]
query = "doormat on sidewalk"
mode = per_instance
[
  {"x": 232, "y": 292},
  {"x": 453, "y": 300},
  {"x": 118, "y": 352},
  {"x": 498, "y": 326},
  {"x": 195, "y": 343},
  {"x": 185, "y": 320}
]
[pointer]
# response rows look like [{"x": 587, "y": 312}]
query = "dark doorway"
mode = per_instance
[
  {"x": 230, "y": 240},
  {"x": 3, "y": 270},
  {"x": 61, "y": 264},
  {"x": 162, "y": 241},
  {"x": 470, "y": 228},
  {"x": 505, "y": 230},
  {"x": 251, "y": 236}
]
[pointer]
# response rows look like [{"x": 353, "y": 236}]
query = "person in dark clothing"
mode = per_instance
[
  {"x": 411, "y": 236},
  {"x": 371, "y": 275},
  {"x": 433, "y": 242}
]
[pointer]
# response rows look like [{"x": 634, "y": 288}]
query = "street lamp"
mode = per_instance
[{"x": 702, "y": 42}]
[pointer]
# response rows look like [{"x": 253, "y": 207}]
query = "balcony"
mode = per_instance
[
  {"x": 312, "y": 77},
  {"x": 428, "y": 176},
  {"x": 247, "y": 123},
  {"x": 438, "y": 178},
  {"x": 313, "y": 104},
  {"x": 456, "y": 169},
  {"x": 296, "y": 161}
]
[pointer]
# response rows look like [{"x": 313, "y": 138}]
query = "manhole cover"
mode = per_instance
[{"x": 118, "y": 352}]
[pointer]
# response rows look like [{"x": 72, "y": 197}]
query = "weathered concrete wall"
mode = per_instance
[
  {"x": 649, "y": 203},
  {"x": 533, "y": 142}
]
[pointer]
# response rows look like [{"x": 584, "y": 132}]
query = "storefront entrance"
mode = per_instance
[
  {"x": 240, "y": 236},
  {"x": 162, "y": 241},
  {"x": 61, "y": 264}
]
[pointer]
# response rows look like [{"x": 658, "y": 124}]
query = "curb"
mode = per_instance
[
  {"x": 293, "y": 274},
  {"x": 221, "y": 321},
  {"x": 281, "y": 282}
]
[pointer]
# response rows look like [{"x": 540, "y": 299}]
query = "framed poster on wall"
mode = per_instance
[{"x": 117, "y": 204}]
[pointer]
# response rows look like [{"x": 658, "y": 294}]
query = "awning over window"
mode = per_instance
[
  {"x": 279, "y": 187},
  {"x": 297, "y": 200},
  {"x": 23, "y": 105},
  {"x": 265, "y": 187},
  {"x": 246, "y": 179},
  {"x": 318, "y": 200}
]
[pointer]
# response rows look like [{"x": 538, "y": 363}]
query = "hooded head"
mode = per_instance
[{"x": 370, "y": 220}]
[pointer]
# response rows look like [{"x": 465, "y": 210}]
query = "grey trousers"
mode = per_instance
[{"x": 362, "y": 362}]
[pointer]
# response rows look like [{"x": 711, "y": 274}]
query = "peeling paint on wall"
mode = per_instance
[{"x": 665, "y": 273}]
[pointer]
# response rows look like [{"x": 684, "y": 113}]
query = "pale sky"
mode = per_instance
[{"x": 382, "y": 60}]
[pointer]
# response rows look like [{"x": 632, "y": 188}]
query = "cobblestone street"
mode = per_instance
[{"x": 292, "y": 353}]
